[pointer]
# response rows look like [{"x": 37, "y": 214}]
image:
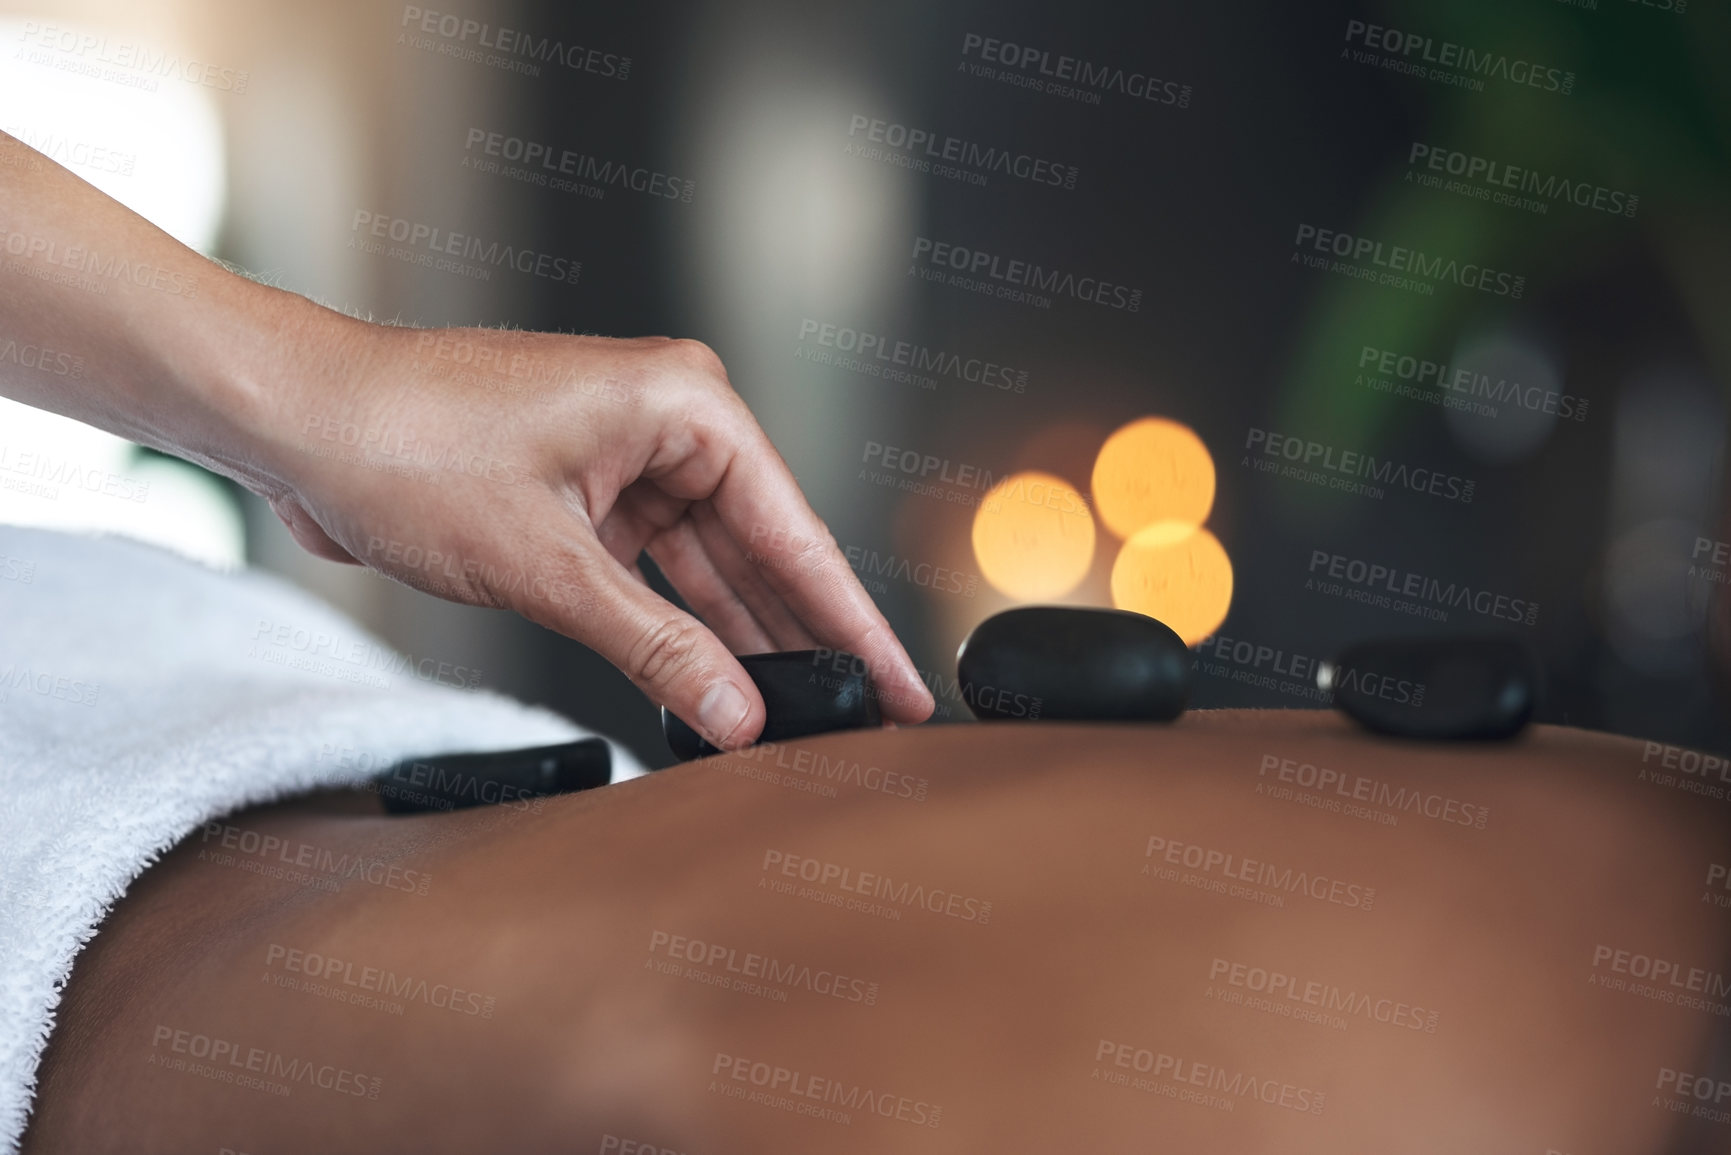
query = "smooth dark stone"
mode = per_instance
[
  {"x": 1483, "y": 688},
  {"x": 804, "y": 692},
  {"x": 458, "y": 781},
  {"x": 1069, "y": 663}
]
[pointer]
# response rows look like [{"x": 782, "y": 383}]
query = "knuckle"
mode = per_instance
[
  {"x": 665, "y": 652},
  {"x": 814, "y": 554},
  {"x": 698, "y": 357}
]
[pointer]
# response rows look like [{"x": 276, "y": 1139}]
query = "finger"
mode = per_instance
[
  {"x": 646, "y": 518},
  {"x": 809, "y": 572},
  {"x": 740, "y": 570},
  {"x": 713, "y": 449},
  {"x": 668, "y": 654},
  {"x": 685, "y": 563}
]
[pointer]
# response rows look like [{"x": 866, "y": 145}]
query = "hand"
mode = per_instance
[
  {"x": 530, "y": 471},
  {"x": 523, "y": 470}
]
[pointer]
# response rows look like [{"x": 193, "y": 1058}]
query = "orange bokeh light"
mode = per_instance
[
  {"x": 1153, "y": 470},
  {"x": 1034, "y": 536},
  {"x": 1178, "y": 574}
]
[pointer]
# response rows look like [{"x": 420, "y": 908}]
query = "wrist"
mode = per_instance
[{"x": 255, "y": 370}]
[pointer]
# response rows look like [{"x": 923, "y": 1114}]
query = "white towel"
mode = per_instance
[{"x": 141, "y": 695}]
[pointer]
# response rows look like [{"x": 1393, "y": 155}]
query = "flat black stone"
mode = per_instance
[
  {"x": 805, "y": 692},
  {"x": 458, "y": 781},
  {"x": 1077, "y": 664},
  {"x": 1468, "y": 688}
]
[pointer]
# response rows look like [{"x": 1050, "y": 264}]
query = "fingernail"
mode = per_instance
[{"x": 722, "y": 710}]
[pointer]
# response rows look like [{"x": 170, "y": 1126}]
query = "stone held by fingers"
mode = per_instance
[{"x": 805, "y": 692}]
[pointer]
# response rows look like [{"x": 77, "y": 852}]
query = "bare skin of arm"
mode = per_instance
[{"x": 1193, "y": 943}]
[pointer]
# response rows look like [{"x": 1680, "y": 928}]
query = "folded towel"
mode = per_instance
[{"x": 141, "y": 695}]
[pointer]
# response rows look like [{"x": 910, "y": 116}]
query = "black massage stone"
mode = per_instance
[
  {"x": 1468, "y": 688},
  {"x": 459, "y": 781},
  {"x": 1069, "y": 663},
  {"x": 804, "y": 692}
]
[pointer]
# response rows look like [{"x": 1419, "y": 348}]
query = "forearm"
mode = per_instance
[{"x": 147, "y": 338}]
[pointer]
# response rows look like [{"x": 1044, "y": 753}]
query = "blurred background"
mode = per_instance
[{"x": 1429, "y": 302}]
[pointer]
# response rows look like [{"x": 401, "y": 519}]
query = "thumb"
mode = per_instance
[{"x": 670, "y": 656}]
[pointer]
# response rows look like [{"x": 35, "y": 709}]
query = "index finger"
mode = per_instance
[{"x": 762, "y": 507}]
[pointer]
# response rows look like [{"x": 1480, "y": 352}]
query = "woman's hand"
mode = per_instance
[
  {"x": 524, "y": 470},
  {"x": 531, "y": 470}
]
